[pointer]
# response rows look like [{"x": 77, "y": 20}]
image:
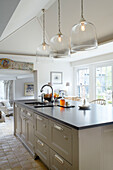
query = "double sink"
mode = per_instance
[{"x": 39, "y": 104}]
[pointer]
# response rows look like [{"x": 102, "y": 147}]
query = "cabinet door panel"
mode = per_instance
[
  {"x": 23, "y": 134},
  {"x": 61, "y": 140},
  {"x": 41, "y": 128},
  {"x": 18, "y": 120},
  {"x": 30, "y": 134},
  {"x": 42, "y": 150},
  {"x": 57, "y": 162},
  {"x": 29, "y": 114}
]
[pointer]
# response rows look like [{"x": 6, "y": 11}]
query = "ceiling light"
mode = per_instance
[
  {"x": 59, "y": 43},
  {"x": 44, "y": 49},
  {"x": 83, "y": 35}
]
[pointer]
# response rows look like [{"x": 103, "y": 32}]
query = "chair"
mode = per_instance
[
  {"x": 2, "y": 118},
  {"x": 73, "y": 98},
  {"x": 99, "y": 101},
  {"x": 6, "y": 108},
  {"x": 2, "y": 107}
]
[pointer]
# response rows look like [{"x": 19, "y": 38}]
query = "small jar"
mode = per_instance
[{"x": 62, "y": 102}]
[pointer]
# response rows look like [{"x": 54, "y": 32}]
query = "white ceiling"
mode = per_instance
[{"x": 24, "y": 32}]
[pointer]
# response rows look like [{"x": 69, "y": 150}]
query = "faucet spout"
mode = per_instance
[{"x": 41, "y": 90}]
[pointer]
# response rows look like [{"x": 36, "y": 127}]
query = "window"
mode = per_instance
[
  {"x": 104, "y": 83},
  {"x": 1, "y": 90},
  {"x": 83, "y": 83}
]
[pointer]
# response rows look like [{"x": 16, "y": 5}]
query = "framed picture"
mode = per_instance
[
  {"x": 29, "y": 89},
  {"x": 56, "y": 77}
]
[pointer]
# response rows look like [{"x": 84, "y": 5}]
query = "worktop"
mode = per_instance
[{"x": 97, "y": 115}]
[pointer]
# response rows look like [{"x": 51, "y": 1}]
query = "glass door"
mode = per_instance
[
  {"x": 83, "y": 83},
  {"x": 104, "y": 83}
]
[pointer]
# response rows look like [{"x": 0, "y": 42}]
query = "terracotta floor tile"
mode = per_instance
[{"x": 13, "y": 155}]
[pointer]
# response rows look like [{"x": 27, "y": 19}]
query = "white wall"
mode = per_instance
[
  {"x": 44, "y": 68},
  {"x": 19, "y": 88}
]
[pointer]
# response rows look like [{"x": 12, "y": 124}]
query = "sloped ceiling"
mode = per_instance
[
  {"x": 7, "y": 8},
  {"x": 26, "y": 38},
  {"x": 25, "y": 11}
]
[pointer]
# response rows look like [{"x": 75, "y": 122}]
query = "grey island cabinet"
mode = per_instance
[{"x": 67, "y": 139}]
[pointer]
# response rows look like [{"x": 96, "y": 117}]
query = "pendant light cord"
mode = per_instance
[
  {"x": 82, "y": 17},
  {"x": 59, "y": 22},
  {"x": 43, "y": 25}
]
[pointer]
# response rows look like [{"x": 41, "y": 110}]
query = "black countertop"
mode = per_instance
[{"x": 98, "y": 115}]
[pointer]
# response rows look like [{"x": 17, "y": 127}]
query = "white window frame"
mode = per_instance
[{"x": 92, "y": 78}]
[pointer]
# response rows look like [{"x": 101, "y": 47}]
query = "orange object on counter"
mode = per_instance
[{"x": 62, "y": 102}]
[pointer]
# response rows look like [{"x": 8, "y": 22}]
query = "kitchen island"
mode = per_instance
[{"x": 67, "y": 138}]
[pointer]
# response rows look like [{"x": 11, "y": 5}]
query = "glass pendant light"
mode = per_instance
[
  {"x": 83, "y": 35},
  {"x": 44, "y": 49},
  {"x": 59, "y": 43}
]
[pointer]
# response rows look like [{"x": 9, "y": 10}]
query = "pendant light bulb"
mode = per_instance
[
  {"x": 59, "y": 38},
  {"x": 44, "y": 49},
  {"x": 83, "y": 26},
  {"x": 59, "y": 43},
  {"x": 83, "y": 35}
]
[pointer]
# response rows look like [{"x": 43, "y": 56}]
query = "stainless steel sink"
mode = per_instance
[
  {"x": 35, "y": 103},
  {"x": 39, "y": 104},
  {"x": 48, "y": 105}
]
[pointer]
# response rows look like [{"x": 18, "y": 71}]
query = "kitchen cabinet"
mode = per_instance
[
  {"x": 23, "y": 124},
  {"x": 29, "y": 130},
  {"x": 42, "y": 150},
  {"x": 62, "y": 146},
  {"x": 18, "y": 121},
  {"x": 24, "y": 127},
  {"x": 65, "y": 144},
  {"x": 42, "y": 127},
  {"x": 57, "y": 162}
]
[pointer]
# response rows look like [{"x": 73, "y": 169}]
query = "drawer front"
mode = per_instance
[
  {"x": 29, "y": 114},
  {"x": 61, "y": 140},
  {"x": 42, "y": 150},
  {"x": 41, "y": 128},
  {"x": 57, "y": 162},
  {"x": 23, "y": 111}
]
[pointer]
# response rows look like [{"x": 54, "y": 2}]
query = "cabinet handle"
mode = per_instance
[
  {"x": 40, "y": 143},
  {"x": 58, "y": 127},
  {"x": 59, "y": 159},
  {"x": 29, "y": 114},
  {"x": 44, "y": 125},
  {"x": 65, "y": 137},
  {"x": 39, "y": 118},
  {"x": 45, "y": 151}
]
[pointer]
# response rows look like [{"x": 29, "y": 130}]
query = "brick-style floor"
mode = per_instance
[{"x": 13, "y": 155}]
